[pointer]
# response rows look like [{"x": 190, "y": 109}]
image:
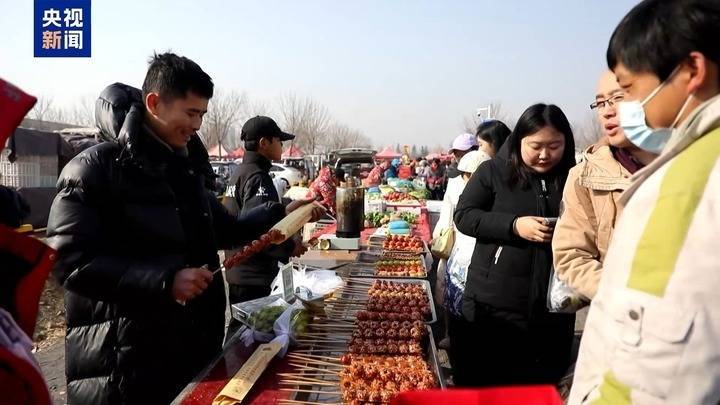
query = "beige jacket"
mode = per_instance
[
  {"x": 590, "y": 209},
  {"x": 652, "y": 333}
]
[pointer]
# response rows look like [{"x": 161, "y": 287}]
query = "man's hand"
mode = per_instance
[
  {"x": 533, "y": 229},
  {"x": 317, "y": 212},
  {"x": 190, "y": 282},
  {"x": 299, "y": 249}
]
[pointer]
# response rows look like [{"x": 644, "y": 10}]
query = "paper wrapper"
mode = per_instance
[
  {"x": 241, "y": 383},
  {"x": 294, "y": 221}
]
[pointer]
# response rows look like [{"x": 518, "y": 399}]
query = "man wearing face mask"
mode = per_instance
[
  {"x": 590, "y": 199},
  {"x": 651, "y": 334}
]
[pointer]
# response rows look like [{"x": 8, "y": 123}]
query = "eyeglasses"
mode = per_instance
[{"x": 607, "y": 103}]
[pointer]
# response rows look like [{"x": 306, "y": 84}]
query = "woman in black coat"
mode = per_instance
[{"x": 509, "y": 206}]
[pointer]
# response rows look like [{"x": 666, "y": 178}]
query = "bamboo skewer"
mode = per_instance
[
  {"x": 311, "y": 350},
  {"x": 317, "y": 357},
  {"x": 319, "y": 339},
  {"x": 349, "y": 301},
  {"x": 333, "y": 325},
  {"x": 314, "y": 359},
  {"x": 311, "y": 391},
  {"x": 326, "y": 333},
  {"x": 330, "y": 376},
  {"x": 323, "y": 341},
  {"x": 315, "y": 362},
  {"x": 296, "y": 402},
  {"x": 318, "y": 370},
  {"x": 309, "y": 381},
  {"x": 304, "y": 366},
  {"x": 361, "y": 300},
  {"x": 309, "y": 375}
]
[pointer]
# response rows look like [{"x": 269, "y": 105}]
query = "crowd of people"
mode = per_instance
[{"x": 632, "y": 229}]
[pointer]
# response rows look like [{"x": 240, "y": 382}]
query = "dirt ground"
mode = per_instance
[{"x": 49, "y": 337}]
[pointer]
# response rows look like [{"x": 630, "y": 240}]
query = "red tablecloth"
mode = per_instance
[
  {"x": 211, "y": 381},
  {"x": 265, "y": 391},
  {"x": 420, "y": 229}
]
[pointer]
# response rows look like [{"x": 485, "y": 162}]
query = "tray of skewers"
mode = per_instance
[
  {"x": 363, "y": 297},
  {"x": 320, "y": 375},
  {"x": 411, "y": 266},
  {"x": 401, "y": 244},
  {"x": 340, "y": 363}
]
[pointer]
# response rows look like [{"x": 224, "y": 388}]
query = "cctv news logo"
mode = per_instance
[{"x": 62, "y": 28}]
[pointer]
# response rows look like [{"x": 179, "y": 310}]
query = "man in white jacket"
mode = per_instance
[{"x": 653, "y": 332}]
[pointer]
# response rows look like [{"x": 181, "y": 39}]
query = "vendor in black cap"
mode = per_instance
[{"x": 263, "y": 143}]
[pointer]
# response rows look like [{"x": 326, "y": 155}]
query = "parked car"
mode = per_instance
[
  {"x": 223, "y": 169},
  {"x": 356, "y": 162},
  {"x": 290, "y": 175}
]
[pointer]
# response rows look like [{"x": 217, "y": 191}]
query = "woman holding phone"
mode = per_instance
[{"x": 510, "y": 206}]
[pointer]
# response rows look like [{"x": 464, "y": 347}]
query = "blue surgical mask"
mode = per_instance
[{"x": 634, "y": 125}]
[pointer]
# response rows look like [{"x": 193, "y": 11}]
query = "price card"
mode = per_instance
[{"x": 286, "y": 272}]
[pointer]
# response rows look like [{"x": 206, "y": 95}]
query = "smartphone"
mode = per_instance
[{"x": 550, "y": 221}]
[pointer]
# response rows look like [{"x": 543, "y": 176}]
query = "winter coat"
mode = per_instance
[
  {"x": 586, "y": 224},
  {"x": 507, "y": 274},
  {"x": 129, "y": 214},
  {"x": 254, "y": 187},
  {"x": 651, "y": 335}
]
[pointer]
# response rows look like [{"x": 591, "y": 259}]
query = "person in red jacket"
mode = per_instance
[
  {"x": 25, "y": 263},
  {"x": 324, "y": 186},
  {"x": 404, "y": 172}
]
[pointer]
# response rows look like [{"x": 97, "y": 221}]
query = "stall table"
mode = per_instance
[{"x": 213, "y": 379}]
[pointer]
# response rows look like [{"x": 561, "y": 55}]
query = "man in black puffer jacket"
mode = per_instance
[{"x": 136, "y": 231}]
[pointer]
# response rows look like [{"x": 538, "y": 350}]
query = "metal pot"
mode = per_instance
[{"x": 350, "y": 203}]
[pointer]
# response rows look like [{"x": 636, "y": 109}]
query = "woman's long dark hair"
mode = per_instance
[
  {"x": 493, "y": 132},
  {"x": 535, "y": 118}
]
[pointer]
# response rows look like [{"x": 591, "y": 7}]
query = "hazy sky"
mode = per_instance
[{"x": 400, "y": 71}]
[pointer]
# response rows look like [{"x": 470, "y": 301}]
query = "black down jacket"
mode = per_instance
[
  {"x": 508, "y": 275},
  {"x": 254, "y": 187},
  {"x": 129, "y": 213}
]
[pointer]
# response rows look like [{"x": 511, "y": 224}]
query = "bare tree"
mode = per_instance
[
  {"x": 41, "y": 108},
  {"x": 83, "y": 114},
  {"x": 224, "y": 114},
  {"x": 588, "y": 132},
  {"x": 305, "y": 118},
  {"x": 493, "y": 111},
  {"x": 341, "y": 136},
  {"x": 257, "y": 107}
]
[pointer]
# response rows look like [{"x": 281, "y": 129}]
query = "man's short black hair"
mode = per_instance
[
  {"x": 657, "y": 35},
  {"x": 173, "y": 76},
  {"x": 254, "y": 144}
]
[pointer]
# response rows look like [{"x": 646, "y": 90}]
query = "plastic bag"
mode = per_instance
[
  {"x": 261, "y": 318},
  {"x": 290, "y": 325},
  {"x": 562, "y": 298},
  {"x": 319, "y": 282}
]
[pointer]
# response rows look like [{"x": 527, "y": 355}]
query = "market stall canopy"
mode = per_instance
[
  {"x": 387, "y": 153},
  {"x": 438, "y": 156},
  {"x": 293, "y": 152}
]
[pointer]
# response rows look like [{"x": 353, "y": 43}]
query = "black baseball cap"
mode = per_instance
[{"x": 263, "y": 127}]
